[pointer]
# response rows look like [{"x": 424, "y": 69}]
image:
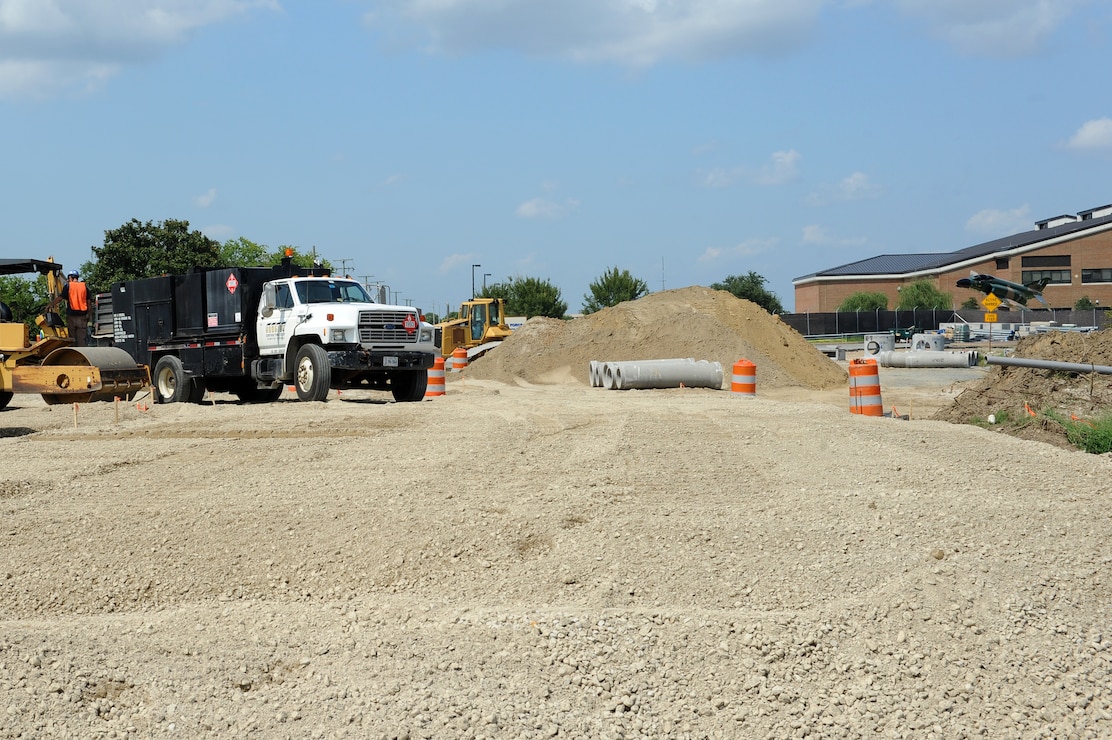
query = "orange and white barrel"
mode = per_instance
[
  {"x": 864, "y": 388},
  {"x": 436, "y": 379},
  {"x": 745, "y": 378},
  {"x": 459, "y": 359}
]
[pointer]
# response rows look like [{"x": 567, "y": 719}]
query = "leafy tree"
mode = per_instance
[
  {"x": 970, "y": 304},
  {"x": 138, "y": 250},
  {"x": 1084, "y": 303},
  {"x": 612, "y": 288},
  {"x": 242, "y": 252},
  {"x": 865, "y": 301},
  {"x": 923, "y": 294},
  {"x": 527, "y": 297},
  {"x": 26, "y": 298},
  {"x": 751, "y": 287},
  {"x": 535, "y": 297}
]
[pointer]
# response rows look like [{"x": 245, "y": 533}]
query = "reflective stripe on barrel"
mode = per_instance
[
  {"x": 864, "y": 388},
  {"x": 459, "y": 359},
  {"x": 436, "y": 379},
  {"x": 745, "y": 378}
]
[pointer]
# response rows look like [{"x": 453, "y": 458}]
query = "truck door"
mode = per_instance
[{"x": 273, "y": 330}]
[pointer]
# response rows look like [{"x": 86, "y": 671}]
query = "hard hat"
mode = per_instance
[{"x": 72, "y": 274}]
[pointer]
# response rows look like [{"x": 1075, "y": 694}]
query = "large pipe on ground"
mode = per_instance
[
  {"x": 927, "y": 359},
  {"x": 1069, "y": 367},
  {"x": 642, "y": 374}
]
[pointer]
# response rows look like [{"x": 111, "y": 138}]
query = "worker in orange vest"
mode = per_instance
[{"x": 76, "y": 296}]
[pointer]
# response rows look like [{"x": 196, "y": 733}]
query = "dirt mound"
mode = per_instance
[
  {"x": 1026, "y": 401},
  {"x": 692, "y": 322}
]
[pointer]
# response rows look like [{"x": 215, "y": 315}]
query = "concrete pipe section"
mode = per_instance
[
  {"x": 1068, "y": 367},
  {"x": 927, "y": 359},
  {"x": 644, "y": 374}
]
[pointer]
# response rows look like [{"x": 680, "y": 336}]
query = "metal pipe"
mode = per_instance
[
  {"x": 927, "y": 359},
  {"x": 1069, "y": 367}
]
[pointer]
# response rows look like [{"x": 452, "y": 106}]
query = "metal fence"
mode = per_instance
[{"x": 843, "y": 323}]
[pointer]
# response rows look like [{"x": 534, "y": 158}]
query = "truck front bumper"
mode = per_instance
[{"x": 384, "y": 360}]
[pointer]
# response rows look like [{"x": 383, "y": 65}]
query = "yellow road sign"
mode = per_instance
[
  {"x": 990, "y": 317},
  {"x": 991, "y": 302}
]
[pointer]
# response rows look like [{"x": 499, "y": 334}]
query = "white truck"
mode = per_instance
[{"x": 251, "y": 331}]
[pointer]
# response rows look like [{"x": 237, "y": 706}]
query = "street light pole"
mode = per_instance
[
  {"x": 473, "y": 280},
  {"x": 485, "y": 276}
]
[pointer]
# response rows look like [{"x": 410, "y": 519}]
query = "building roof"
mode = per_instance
[{"x": 904, "y": 264}]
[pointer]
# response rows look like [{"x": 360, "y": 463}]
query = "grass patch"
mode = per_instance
[{"x": 1091, "y": 436}]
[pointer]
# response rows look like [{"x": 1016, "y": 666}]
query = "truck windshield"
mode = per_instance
[{"x": 331, "y": 291}]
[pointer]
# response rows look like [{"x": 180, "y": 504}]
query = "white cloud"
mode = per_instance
[
  {"x": 818, "y": 236},
  {"x": 1006, "y": 28},
  {"x": 51, "y": 46},
  {"x": 994, "y": 223},
  {"x": 453, "y": 261},
  {"x": 544, "y": 208},
  {"x": 1095, "y": 134},
  {"x": 636, "y": 33},
  {"x": 747, "y": 248},
  {"x": 782, "y": 167},
  {"x": 206, "y": 200},
  {"x": 219, "y": 232},
  {"x": 857, "y": 186}
]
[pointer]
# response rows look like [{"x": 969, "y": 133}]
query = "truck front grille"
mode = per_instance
[{"x": 376, "y": 327}]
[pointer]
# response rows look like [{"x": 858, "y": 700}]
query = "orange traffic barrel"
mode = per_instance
[
  {"x": 459, "y": 359},
  {"x": 745, "y": 378},
  {"x": 864, "y": 388},
  {"x": 436, "y": 379}
]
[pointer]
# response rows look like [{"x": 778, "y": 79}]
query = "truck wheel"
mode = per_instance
[
  {"x": 251, "y": 393},
  {"x": 171, "y": 385},
  {"x": 410, "y": 386},
  {"x": 5, "y": 397},
  {"x": 312, "y": 373}
]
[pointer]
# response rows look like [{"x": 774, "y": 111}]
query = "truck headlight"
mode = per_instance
[
  {"x": 339, "y": 336},
  {"x": 426, "y": 335}
]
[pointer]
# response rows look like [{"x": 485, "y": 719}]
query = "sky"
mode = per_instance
[{"x": 436, "y": 145}]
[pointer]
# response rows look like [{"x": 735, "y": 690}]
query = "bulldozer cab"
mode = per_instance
[{"x": 480, "y": 321}]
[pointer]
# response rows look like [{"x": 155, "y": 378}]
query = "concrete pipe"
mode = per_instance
[
  {"x": 1068, "y": 367},
  {"x": 666, "y": 374},
  {"x": 925, "y": 358},
  {"x": 928, "y": 342}
]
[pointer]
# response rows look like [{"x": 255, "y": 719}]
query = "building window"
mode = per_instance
[
  {"x": 1050, "y": 260},
  {"x": 1057, "y": 277},
  {"x": 1001, "y": 263},
  {"x": 1097, "y": 276}
]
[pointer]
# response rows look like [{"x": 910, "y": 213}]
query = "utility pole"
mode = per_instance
[{"x": 343, "y": 266}]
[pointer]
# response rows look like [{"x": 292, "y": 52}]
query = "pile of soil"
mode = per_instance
[
  {"x": 694, "y": 322},
  {"x": 1027, "y": 402}
]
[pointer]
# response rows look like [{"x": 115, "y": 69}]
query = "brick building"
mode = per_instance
[{"x": 1075, "y": 252}]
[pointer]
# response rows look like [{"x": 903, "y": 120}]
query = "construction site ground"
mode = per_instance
[{"x": 528, "y": 556}]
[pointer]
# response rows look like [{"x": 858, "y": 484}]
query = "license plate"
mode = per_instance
[{"x": 390, "y": 361}]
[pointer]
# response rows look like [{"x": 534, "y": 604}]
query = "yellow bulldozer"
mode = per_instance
[
  {"x": 49, "y": 363},
  {"x": 480, "y": 326}
]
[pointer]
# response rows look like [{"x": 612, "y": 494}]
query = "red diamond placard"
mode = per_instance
[{"x": 232, "y": 283}]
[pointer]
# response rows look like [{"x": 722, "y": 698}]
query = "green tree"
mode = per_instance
[
  {"x": 138, "y": 250},
  {"x": 751, "y": 287},
  {"x": 923, "y": 294},
  {"x": 612, "y": 288},
  {"x": 970, "y": 304},
  {"x": 1084, "y": 303},
  {"x": 530, "y": 297},
  {"x": 242, "y": 252},
  {"x": 26, "y": 298},
  {"x": 865, "y": 301}
]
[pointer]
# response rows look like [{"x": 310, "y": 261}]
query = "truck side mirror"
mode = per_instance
[{"x": 269, "y": 301}]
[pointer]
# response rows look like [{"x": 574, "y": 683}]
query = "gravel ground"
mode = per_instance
[{"x": 518, "y": 560}]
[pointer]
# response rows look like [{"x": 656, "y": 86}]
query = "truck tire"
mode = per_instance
[
  {"x": 172, "y": 385},
  {"x": 5, "y": 397},
  {"x": 409, "y": 386},
  {"x": 251, "y": 393},
  {"x": 312, "y": 374}
]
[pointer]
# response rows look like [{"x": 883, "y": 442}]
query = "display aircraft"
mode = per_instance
[{"x": 1005, "y": 290}]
